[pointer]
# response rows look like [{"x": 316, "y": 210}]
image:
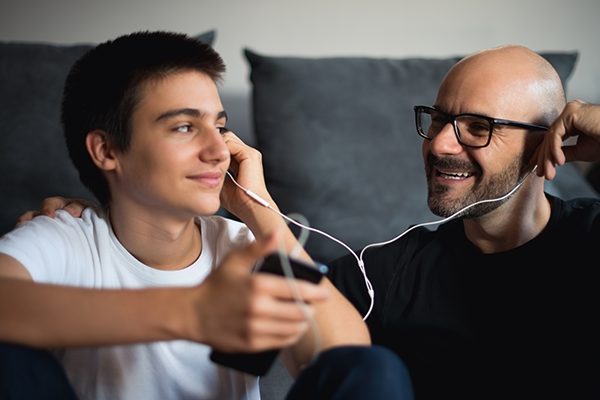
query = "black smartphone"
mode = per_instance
[
  {"x": 258, "y": 364},
  {"x": 300, "y": 269}
]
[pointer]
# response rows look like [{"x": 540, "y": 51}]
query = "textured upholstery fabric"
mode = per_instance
[{"x": 339, "y": 143}]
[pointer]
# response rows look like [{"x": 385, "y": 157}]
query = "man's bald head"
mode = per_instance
[{"x": 511, "y": 82}]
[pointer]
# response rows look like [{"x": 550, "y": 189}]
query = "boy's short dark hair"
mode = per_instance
[{"x": 102, "y": 90}]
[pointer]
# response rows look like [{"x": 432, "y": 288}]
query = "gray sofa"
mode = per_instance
[{"x": 337, "y": 137}]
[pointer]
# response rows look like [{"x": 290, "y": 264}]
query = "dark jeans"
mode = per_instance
[
  {"x": 27, "y": 373},
  {"x": 350, "y": 372},
  {"x": 354, "y": 372}
]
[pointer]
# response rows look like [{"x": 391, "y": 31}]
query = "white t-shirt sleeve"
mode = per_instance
[{"x": 46, "y": 246}]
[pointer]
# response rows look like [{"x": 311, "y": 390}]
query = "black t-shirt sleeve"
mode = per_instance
[
  {"x": 346, "y": 275},
  {"x": 383, "y": 265}
]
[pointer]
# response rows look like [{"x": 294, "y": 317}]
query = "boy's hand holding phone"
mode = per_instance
[{"x": 259, "y": 363}]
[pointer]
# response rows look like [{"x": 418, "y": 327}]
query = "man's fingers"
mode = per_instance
[
  {"x": 51, "y": 204},
  {"x": 27, "y": 216},
  {"x": 75, "y": 209},
  {"x": 73, "y": 206}
]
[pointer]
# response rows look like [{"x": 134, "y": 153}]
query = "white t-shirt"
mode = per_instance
[{"x": 85, "y": 252}]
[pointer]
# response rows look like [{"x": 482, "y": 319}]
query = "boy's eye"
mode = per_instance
[
  {"x": 223, "y": 129},
  {"x": 184, "y": 128}
]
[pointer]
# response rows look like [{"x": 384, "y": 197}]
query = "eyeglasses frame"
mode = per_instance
[{"x": 492, "y": 121}]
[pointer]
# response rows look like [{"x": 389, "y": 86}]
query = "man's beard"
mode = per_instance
[{"x": 498, "y": 185}]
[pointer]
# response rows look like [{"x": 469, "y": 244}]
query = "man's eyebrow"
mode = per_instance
[
  {"x": 192, "y": 112},
  {"x": 222, "y": 114}
]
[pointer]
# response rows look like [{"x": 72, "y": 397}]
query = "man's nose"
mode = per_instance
[{"x": 446, "y": 141}]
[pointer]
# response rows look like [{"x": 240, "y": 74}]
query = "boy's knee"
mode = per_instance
[
  {"x": 27, "y": 373},
  {"x": 350, "y": 372}
]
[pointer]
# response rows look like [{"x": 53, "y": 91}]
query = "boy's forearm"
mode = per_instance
[
  {"x": 263, "y": 221},
  {"x": 44, "y": 315},
  {"x": 337, "y": 323}
]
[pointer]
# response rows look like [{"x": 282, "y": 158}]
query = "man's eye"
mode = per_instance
[
  {"x": 438, "y": 122},
  {"x": 223, "y": 129}
]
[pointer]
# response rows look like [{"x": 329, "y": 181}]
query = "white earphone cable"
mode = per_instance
[{"x": 359, "y": 258}]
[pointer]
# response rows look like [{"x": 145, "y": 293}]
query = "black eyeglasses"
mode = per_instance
[{"x": 471, "y": 130}]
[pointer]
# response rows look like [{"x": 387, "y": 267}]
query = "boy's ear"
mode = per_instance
[{"x": 100, "y": 150}]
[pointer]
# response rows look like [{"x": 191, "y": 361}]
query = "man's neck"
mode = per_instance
[{"x": 514, "y": 223}]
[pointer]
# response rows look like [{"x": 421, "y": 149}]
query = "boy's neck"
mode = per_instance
[{"x": 157, "y": 241}]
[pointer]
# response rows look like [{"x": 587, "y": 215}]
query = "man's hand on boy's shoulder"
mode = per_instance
[{"x": 50, "y": 205}]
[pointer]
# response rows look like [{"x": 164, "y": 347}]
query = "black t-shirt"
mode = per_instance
[{"x": 514, "y": 324}]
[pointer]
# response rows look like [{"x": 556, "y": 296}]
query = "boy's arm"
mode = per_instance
[
  {"x": 337, "y": 322},
  {"x": 232, "y": 310},
  {"x": 43, "y": 315}
]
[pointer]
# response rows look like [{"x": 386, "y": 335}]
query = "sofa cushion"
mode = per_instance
[
  {"x": 339, "y": 143},
  {"x": 34, "y": 162}
]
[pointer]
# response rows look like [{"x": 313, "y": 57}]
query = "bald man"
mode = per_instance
[{"x": 499, "y": 302}]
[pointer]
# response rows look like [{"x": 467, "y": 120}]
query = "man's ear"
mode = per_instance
[{"x": 100, "y": 149}]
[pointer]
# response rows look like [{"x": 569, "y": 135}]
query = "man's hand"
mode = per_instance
[
  {"x": 578, "y": 119},
  {"x": 50, "y": 204}
]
